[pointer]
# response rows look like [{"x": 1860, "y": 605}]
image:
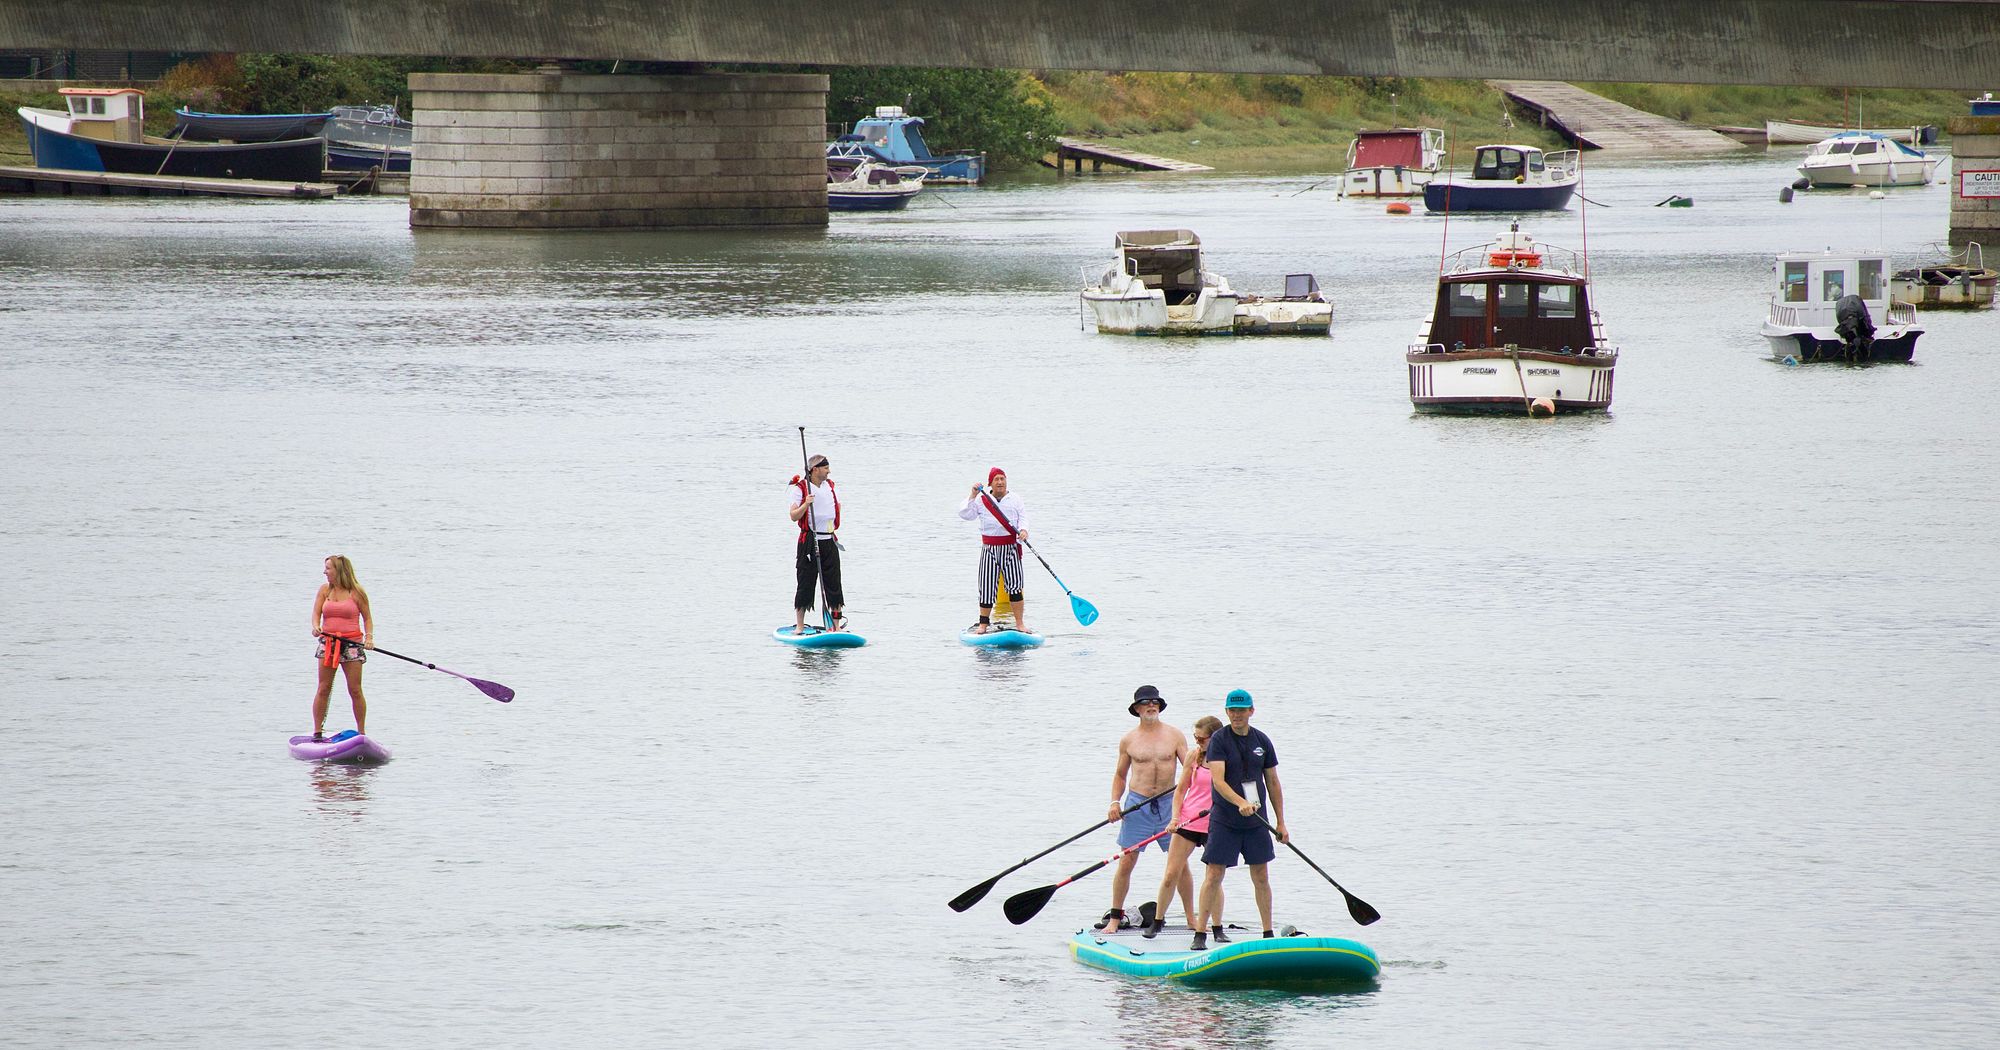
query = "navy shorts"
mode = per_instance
[
  {"x": 1145, "y": 822},
  {"x": 1226, "y": 844}
]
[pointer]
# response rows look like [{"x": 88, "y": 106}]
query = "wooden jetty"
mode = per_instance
[
  {"x": 64, "y": 183},
  {"x": 1076, "y": 151},
  {"x": 1614, "y": 128}
]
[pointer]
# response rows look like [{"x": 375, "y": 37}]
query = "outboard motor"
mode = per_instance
[{"x": 1855, "y": 328}]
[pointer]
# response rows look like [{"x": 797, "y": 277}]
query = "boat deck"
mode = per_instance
[
  {"x": 65, "y": 183},
  {"x": 1613, "y": 128}
]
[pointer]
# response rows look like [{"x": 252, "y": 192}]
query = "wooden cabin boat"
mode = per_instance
[
  {"x": 1962, "y": 280},
  {"x": 1398, "y": 162},
  {"x": 1512, "y": 325},
  {"x": 103, "y": 129},
  {"x": 1508, "y": 178},
  {"x": 1826, "y": 306}
]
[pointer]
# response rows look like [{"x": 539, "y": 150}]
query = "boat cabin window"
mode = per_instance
[
  {"x": 1831, "y": 285},
  {"x": 1535, "y": 162},
  {"x": 1556, "y": 300},
  {"x": 1842, "y": 147},
  {"x": 1468, "y": 300},
  {"x": 1863, "y": 148},
  {"x": 1871, "y": 278},
  {"x": 1498, "y": 163},
  {"x": 915, "y": 138},
  {"x": 1795, "y": 282},
  {"x": 1512, "y": 300}
]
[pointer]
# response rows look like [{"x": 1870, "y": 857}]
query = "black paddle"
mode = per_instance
[
  {"x": 1024, "y": 905},
  {"x": 493, "y": 689},
  {"x": 1363, "y": 912},
  {"x": 977, "y": 893},
  {"x": 812, "y": 536}
]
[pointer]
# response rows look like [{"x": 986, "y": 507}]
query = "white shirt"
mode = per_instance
[
  {"x": 1010, "y": 505},
  {"x": 822, "y": 512}
]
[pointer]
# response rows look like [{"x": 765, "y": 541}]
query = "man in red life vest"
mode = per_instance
[
  {"x": 1003, "y": 523},
  {"x": 816, "y": 508}
]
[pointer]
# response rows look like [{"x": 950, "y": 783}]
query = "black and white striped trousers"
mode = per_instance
[{"x": 997, "y": 564}]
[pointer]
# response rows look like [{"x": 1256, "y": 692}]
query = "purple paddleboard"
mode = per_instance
[{"x": 347, "y": 746}]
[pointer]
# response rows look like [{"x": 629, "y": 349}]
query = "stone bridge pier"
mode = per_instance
[{"x": 557, "y": 150}]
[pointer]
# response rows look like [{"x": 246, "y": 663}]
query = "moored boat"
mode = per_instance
[
  {"x": 104, "y": 130},
  {"x": 859, "y": 184},
  {"x": 1512, "y": 325},
  {"x": 1865, "y": 158},
  {"x": 1800, "y": 133},
  {"x": 1826, "y": 305},
  {"x": 1508, "y": 178},
  {"x": 892, "y": 136},
  {"x": 1396, "y": 162},
  {"x": 246, "y": 127},
  {"x": 1302, "y": 310},
  {"x": 1294, "y": 960},
  {"x": 1158, "y": 285}
]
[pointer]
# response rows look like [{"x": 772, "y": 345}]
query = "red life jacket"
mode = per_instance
[{"x": 805, "y": 493}]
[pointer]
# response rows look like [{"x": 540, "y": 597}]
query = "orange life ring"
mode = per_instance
[{"x": 1506, "y": 258}]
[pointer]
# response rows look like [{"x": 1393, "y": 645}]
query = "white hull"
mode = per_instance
[
  {"x": 1489, "y": 381},
  {"x": 1281, "y": 317},
  {"x": 1785, "y": 133},
  {"x": 1385, "y": 182},
  {"x": 1213, "y": 312},
  {"x": 1886, "y": 172}
]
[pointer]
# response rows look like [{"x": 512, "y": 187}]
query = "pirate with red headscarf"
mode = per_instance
[{"x": 1003, "y": 523}]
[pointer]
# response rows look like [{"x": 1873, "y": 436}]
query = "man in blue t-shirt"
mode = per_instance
[{"x": 1239, "y": 757}]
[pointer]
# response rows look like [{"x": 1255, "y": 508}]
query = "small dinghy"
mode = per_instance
[
  {"x": 815, "y": 638},
  {"x": 1289, "y": 961},
  {"x": 1002, "y": 639},
  {"x": 346, "y": 746}
]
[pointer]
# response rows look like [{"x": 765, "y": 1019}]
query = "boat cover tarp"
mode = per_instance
[{"x": 1389, "y": 149}]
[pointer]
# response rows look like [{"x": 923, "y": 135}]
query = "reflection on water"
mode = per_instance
[
  {"x": 1163, "y": 1015},
  {"x": 341, "y": 790}
]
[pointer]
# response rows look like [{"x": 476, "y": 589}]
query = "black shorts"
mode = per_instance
[{"x": 1196, "y": 837}]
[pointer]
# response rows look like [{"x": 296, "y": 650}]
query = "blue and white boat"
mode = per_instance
[
  {"x": 1866, "y": 158},
  {"x": 859, "y": 184},
  {"x": 103, "y": 129},
  {"x": 1508, "y": 178},
  {"x": 894, "y": 137}
]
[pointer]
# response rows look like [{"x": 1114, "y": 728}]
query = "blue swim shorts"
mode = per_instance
[
  {"x": 1145, "y": 822},
  {"x": 1226, "y": 844}
]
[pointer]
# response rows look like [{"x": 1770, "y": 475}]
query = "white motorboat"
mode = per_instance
[
  {"x": 1158, "y": 285},
  {"x": 1512, "y": 330},
  {"x": 1795, "y": 133},
  {"x": 860, "y": 184},
  {"x": 1826, "y": 307},
  {"x": 1398, "y": 162},
  {"x": 1864, "y": 158}
]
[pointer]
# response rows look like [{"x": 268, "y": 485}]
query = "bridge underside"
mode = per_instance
[{"x": 1830, "y": 43}]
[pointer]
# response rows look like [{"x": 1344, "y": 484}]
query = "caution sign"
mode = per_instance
[{"x": 1979, "y": 183}]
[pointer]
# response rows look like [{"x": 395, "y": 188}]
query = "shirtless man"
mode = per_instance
[{"x": 1149, "y": 759}]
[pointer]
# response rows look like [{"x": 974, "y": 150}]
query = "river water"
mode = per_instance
[{"x": 1672, "y": 726}]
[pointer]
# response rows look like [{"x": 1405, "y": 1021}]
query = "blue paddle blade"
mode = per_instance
[{"x": 1086, "y": 613}]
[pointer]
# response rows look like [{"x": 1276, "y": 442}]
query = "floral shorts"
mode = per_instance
[{"x": 350, "y": 652}]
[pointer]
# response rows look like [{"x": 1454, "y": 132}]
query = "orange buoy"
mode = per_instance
[
  {"x": 1398, "y": 208},
  {"x": 1542, "y": 406}
]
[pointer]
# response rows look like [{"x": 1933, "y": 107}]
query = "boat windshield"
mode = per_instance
[
  {"x": 1468, "y": 300},
  {"x": 1863, "y": 148},
  {"x": 1841, "y": 147},
  {"x": 1556, "y": 300}
]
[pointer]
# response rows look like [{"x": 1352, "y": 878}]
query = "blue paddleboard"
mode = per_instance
[
  {"x": 1007, "y": 639},
  {"x": 814, "y": 638},
  {"x": 1247, "y": 961}
]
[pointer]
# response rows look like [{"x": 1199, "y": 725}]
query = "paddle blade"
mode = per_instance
[
  {"x": 1086, "y": 613},
  {"x": 1027, "y": 904},
  {"x": 493, "y": 689},
  {"x": 1363, "y": 912},
  {"x": 974, "y": 895}
]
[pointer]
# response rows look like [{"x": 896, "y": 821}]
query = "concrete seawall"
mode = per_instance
[{"x": 558, "y": 150}]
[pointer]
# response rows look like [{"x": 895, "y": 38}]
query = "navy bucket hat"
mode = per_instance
[{"x": 1145, "y": 692}]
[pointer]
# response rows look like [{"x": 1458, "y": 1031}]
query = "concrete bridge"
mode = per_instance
[{"x": 1830, "y": 43}]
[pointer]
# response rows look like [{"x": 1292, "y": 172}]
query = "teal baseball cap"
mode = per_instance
[{"x": 1236, "y": 698}]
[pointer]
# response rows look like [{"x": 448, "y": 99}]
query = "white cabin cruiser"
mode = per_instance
[
  {"x": 1159, "y": 285},
  {"x": 1512, "y": 328},
  {"x": 1825, "y": 308},
  {"x": 1866, "y": 158}
]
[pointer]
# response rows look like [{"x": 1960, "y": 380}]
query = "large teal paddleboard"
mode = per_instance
[
  {"x": 1007, "y": 639},
  {"x": 814, "y": 638},
  {"x": 1247, "y": 960}
]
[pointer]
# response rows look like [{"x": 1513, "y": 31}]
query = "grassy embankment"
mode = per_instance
[
  {"x": 1237, "y": 122},
  {"x": 1246, "y": 123}
]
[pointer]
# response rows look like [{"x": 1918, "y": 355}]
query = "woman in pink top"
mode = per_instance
[
  {"x": 345, "y": 629},
  {"x": 1190, "y": 827}
]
